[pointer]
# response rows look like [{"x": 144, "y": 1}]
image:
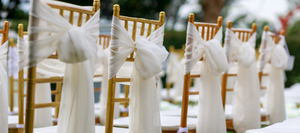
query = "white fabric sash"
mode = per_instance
[
  {"x": 175, "y": 74},
  {"x": 12, "y": 62},
  {"x": 76, "y": 45},
  {"x": 144, "y": 114},
  {"x": 274, "y": 97},
  {"x": 211, "y": 118},
  {"x": 22, "y": 47},
  {"x": 246, "y": 105},
  {"x": 3, "y": 89}
]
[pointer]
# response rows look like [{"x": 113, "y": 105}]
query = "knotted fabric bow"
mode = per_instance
[
  {"x": 3, "y": 88},
  {"x": 211, "y": 117},
  {"x": 274, "y": 97},
  {"x": 246, "y": 105},
  {"x": 76, "y": 45},
  {"x": 149, "y": 54}
]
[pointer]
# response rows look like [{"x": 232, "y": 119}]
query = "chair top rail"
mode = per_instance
[{"x": 141, "y": 20}]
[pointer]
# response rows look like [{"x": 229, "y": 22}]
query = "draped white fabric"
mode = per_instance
[
  {"x": 211, "y": 118},
  {"x": 246, "y": 105},
  {"x": 3, "y": 89},
  {"x": 12, "y": 62},
  {"x": 22, "y": 47},
  {"x": 274, "y": 96},
  {"x": 175, "y": 74},
  {"x": 149, "y": 54},
  {"x": 104, "y": 87},
  {"x": 76, "y": 45}
]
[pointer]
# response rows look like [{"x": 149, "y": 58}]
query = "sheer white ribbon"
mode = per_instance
[
  {"x": 22, "y": 48},
  {"x": 211, "y": 118},
  {"x": 3, "y": 89},
  {"x": 274, "y": 97},
  {"x": 76, "y": 45},
  {"x": 144, "y": 114},
  {"x": 12, "y": 62},
  {"x": 175, "y": 74},
  {"x": 246, "y": 105}
]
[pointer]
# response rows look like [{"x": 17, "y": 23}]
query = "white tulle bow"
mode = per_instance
[
  {"x": 149, "y": 51},
  {"x": 73, "y": 44}
]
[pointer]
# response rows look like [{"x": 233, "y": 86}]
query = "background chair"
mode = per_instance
[
  {"x": 135, "y": 22},
  {"x": 243, "y": 35},
  {"x": 207, "y": 31}
]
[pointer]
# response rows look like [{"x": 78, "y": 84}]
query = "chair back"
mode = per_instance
[
  {"x": 243, "y": 35},
  {"x": 32, "y": 80},
  {"x": 135, "y": 26},
  {"x": 207, "y": 31}
]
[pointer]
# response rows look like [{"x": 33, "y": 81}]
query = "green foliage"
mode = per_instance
[
  {"x": 293, "y": 42},
  {"x": 176, "y": 38},
  {"x": 142, "y": 8}
]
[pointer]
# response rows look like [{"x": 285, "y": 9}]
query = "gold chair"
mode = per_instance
[
  {"x": 243, "y": 35},
  {"x": 208, "y": 31},
  {"x": 180, "y": 55},
  {"x": 112, "y": 82},
  {"x": 11, "y": 84},
  {"x": 32, "y": 80},
  {"x": 5, "y": 32},
  {"x": 276, "y": 39}
]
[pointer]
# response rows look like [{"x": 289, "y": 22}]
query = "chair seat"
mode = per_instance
[
  {"x": 192, "y": 112},
  {"x": 288, "y": 126},
  {"x": 98, "y": 129},
  {"x": 228, "y": 112},
  {"x": 13, "y": 119},
  {"x": 168, "y": 123}
]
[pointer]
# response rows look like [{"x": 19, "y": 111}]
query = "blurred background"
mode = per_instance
[{"x": 277, "y": 14}]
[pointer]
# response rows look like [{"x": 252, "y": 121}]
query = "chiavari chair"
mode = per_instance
[
  {"x": 207, "y": 31},
  {"x": 243, "y": 35},
  {"x": 32, "y": 80},
  {"x": 142, "y": 27}
]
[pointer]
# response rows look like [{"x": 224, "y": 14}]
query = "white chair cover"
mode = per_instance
[
  {"x": 144, "y": 111},
  {"x": 104, "y": 87},
  {"x": 274, "y": 97},
  {"x": 211, "y": 118},
  {"x": 12, "y": 62},
  {"x": 175, "y": 74},
  {"x": 246, "y": 105},
  {"x": 76, "y": 45},
  {"x": 3, "y": 89}
]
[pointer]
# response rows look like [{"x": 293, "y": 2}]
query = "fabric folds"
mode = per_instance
[
  {"x": 211, "y": 118},
  {"x": 12, "y": 62},
  {"x": 246, "y": 105},
  {"x": 77, "y": 47},
  {"x": 175, "y": 74},
  {"x": 144, "y": 114},
  {"x": 274, "y": 96},
  {"x": 3, "y": 89}
]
